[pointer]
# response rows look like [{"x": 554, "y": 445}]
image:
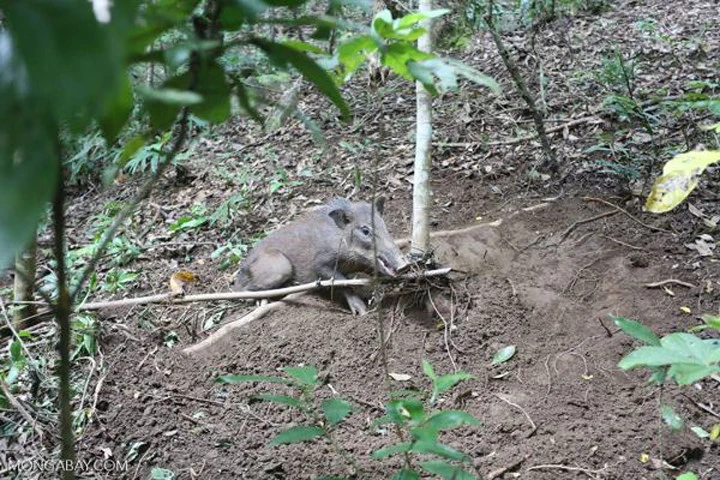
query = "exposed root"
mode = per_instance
[
  {"x": 631, "y": 217},
  {"x": 532, "y": 424},
  {"x": 668, "y": 281}
]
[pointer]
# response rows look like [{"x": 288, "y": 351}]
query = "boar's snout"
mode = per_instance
[{"x": 392, "y": 263}]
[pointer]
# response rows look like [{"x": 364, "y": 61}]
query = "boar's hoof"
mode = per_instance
[{"x": 356, "y": 304}]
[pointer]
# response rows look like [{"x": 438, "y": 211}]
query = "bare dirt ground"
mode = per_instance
[{"x": 544, "y": 280}]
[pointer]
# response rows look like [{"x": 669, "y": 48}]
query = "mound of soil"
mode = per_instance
[{"x": 544, "y": 280}]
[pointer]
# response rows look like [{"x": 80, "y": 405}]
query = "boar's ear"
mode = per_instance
[
  {"x": 380, "y": 205},
  {"x": 341, "y": 217}
]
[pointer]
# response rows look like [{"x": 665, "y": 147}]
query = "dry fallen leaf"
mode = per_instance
[
  {"x": 686, "y": 309},
  {"x": 179, "y": 279},
  {"x": 400, "y": 377}
]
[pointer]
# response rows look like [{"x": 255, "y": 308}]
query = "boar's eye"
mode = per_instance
[{"x": 365, "y": 230}]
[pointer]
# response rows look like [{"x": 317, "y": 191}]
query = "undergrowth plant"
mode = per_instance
[{"x": 412, "y": 414}]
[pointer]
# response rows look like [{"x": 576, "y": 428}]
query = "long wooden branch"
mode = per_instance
[
  {"x": 280, "y": 292},
  {"x": 221, "y": 332}
]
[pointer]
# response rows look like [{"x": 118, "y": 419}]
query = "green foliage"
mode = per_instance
[
  {"x": 231, "y": 254},
  {"x": 197, "y": 218},
  {"x": 421, "y": 425},
  {"x": 74, "y": 76},
  {"x": 161, "y": 474},
  {"x": 503, "y": 355},
  {"x": 682, "y": 357},
  {"x": 85, "y": 331}
]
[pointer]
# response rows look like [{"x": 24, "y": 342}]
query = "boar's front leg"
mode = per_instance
[{"x": 354, "y": 301}]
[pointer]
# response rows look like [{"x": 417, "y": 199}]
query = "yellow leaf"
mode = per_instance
[
  {"x": 644, "y": 457},
  {"x": 679, "y": 178},
  {"x": 715, "y": 432},
  {"x": 686, "y": 309},
  {"x": 179, "y": 279}
]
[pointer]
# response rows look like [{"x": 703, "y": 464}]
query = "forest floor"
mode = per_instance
[{"x": 567, "y": 254}]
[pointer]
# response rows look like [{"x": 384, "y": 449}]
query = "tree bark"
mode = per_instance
[{"x": 422, "y": 196}]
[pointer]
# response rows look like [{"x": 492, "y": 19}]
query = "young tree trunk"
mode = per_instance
[
  {"x": 24, "y": 289},
  {"x": 422, "y": 197}
]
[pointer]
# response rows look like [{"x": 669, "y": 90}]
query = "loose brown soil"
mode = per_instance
[
  {"x": 520, "y": 288},
  {"x": 546, "y": 279}
]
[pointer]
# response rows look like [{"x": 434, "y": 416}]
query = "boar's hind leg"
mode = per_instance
[{"x": 271, "y": 269}]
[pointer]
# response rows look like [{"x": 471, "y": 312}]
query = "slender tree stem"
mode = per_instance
[{"x": 62, "y": 309}]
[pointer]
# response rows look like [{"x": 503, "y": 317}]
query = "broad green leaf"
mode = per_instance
[
  {"x": 72, "y": 63},
  {"x": 397, "y": 55},
  {"x": 446, "y": 470},
  {"x": 713, "y": 321},
  {"x": 637, "y": 330},
  {"x": 354, "y": 51},
  {"x": 503, "y": 355},
  {"x": 680, "y": 177},
  {"x": 391, "y": 450},
  {"x": 303, "y": 46},
  {"x": 335, "y": 409},
  {"x": 402, "y": 410},
  {"x": 164, "y": 103},
  {"x": 117, "y": 111},
  {"x": 412, "y": 18},
  {"x": 252, "y": 378},
  {"x": 282, "y": 399},
  {"x": 429, "y": 370},
  {"x": 687, "y": 476},
  {"x": 671, "y": 418},
  {"x": 700, "y": 432},
  {"x": 306, "y": 375},
  {"x": 446, "y": 382},
  {"x": 448, "y": 419},
  {"x": 472, "y": 74},
  {"x": 28, "y": 171},
  {"x": 283, "y": 55},
  {"x": 244, "y": 100},
  {"x": 406, "y": 474},
  {"x": 297, "y": 434},
  {"x": 686, "y": 374},
  {"x": 15, "y": 351},
  {"x": 130, "y": 149},
  {"x": 215, "y": 92},
  {"x": 431, "y": 447}
]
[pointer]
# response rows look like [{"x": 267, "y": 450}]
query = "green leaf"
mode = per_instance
[
  {"x": 700, "y": 432},
  {"x": 447, "y": 419},
  {"x": 297, "y": 434},
  {"x": 28, "y": 171},
  {"x": 16, "y": 351},
  {"x": 252, "y": 378},
  {"x": 391, "y": 450},
  {"x": 354, "y": 51},
  {"x": 429, "y": 370},
  {"x": 283, "y": 55},
  {"x": 406, "y": 474},
  {"x": 306, "y": 375},
  {"x": 335, "y": 409},
  {"x": 164, "y": 104},
  {"x": 130, "y": 149},
  {"x": 685, "y": 374},
  {"x": 637, "y": 330},
  {"x": 671, "y": 418},
  {"x": 212, "y": 85},
  {"x": 72, "y": 63},
  {"x": 282, "y": 399},
  {"x": 412, "y": 18},
  {"x": 397, "y": 55},
  {"x": 503, "y": 355},
  {"x": 713, "y": 321},
  {"x": 303, "y": 46},
  {"x": 446, "y": 382},
  {"x": 472, "y": 74},
  {"x": 432, "y": 447},
  {"x": 402, "y": 410},
  {"x": 446, "y": 470},
  {"x": 687, "y": 476},
  {"x": 117, "y": 111}
]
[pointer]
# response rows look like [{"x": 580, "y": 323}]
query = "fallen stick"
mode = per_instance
[
  {"x": 404, "y": 242},
  {"x": 669, "y": 280},
  {"x": 256, "y": 314},
  {"x": 169, "y": 298}
]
